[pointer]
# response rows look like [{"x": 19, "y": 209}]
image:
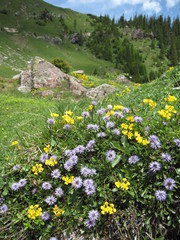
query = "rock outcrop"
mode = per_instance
[
  {"x": 75, "y": 87},
  {"x": 100, "y": 91}
]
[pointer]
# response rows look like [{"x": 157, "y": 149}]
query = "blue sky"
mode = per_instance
[{"x": 115, "y": 8}]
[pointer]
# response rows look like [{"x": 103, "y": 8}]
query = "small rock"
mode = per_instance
[
  {"x": 100, "y": 91},
  {"x": 47, "y": 93}
]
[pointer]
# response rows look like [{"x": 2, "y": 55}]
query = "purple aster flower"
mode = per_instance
[
  {"x": 116, "y": 131},
  {"x": 92, "y": 172},
  {"x": 93, "y": 215},
  {"x": 17, "y": 167},
  {"x": 68, "y": 153},
  {"x": 166, "y": 157},
  {"x": 79, "y": 149},
  {"x": 43, "y": 157},
  {"x": 109, "y": 107},
  {"x": 154, "y": 166},
  {"x": 106, "y": 118},
  {"x": 34, "y": 191},
  {"x": 154, "y": 142},
  {"x": 68, "y": 165},
  {"x": 138, "y": 119},
  {"x": 109, "y": 125},
  {"x": 88, "y": 182},
  {"x": 85, "y": 114},
  {"x": 133, "y": 159},
  {"x": 169, "y": 183},
  {"x": 101, "y": 111},
  {"x": 59, "y": 192},
  {"x": 90, "y": 190},
  {"x": 3, "y": 209},
  {"x": 22, "y": 182},
  {"x": 94, "y": 103},
  {"x": 160, "y": 195},
  {"x": 51, "y": 121},
  {"x": 2, "y": 200},
  {"x": 55, "y": 173},
  {"x": 50, "y": 200},
  {"x": 110, "y": 155},
  {"x": 90, "y": 146},
  {"x": 73, "y": 159},
  {"x": 15, "y": 186},
  {"x": 54, "y": 157},
  {"x": 89, "y": 223},
  {"x": 125, "y": 110},
  {"x": 118, "y": 115},
  {"x": 84, "y": 171},
  {"x": 93, "y": 127},
  {"x": 45, "y": 216},
  {"x": 101, "y": 135},
  {"x": 177, "y": 142},
  {"x": 53, "y": 238},
  {"x": 46, "y": 186},
  {"x": 67, "y": 127},
  {"x": 77, "y": 182}
]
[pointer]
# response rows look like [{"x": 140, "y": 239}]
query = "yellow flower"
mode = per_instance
[
  {"x": 118, "y": 107},
  {"x": 14, "y": 143},
  {"x": 51, "y": 162},
  {"x": 118, "y": 184},
  {"x": 110, "y": 113},
  {"x": 47, "y": 149},
  {"x": 151, "y": 103},
  {"x": 130, "y": 119},
  {"x": 54, "y": 115},
  {"x": 90, "y": 108},
  {"x": 69, "y": 113},
  {"x": 108, "y": 208},
  {"x": 130, "y": 135},
  {"x": 170, "y": 99},
  {"x": 125, "y": 132},
  {"x": 79, "y": 118},
  {"x": 124, "y": 126},
  {"x": 68, "y": 119},
  {"x": 67, "y": 180},
  {"x": 57, "y": 211},
  {"x": 34, "y": 211},
  {"x": 145, "y": 142},
  {"x": 37, "y": 169},
  {"x": 131, "y": 126}
]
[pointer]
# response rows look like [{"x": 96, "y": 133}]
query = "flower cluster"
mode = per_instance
[
  {"x": 16, "y": 186},
  {"x": 47, "y": 148},
  {"x": 67, "y": 180},
  {"x": 167, "y": 112},
  {"x": 170, "y": 99},
  {"x": 93, "y": 216},
  {"x": 140, "y": 139},
  {"x": 67, "y": 118},
  {"x": 124, "y": 185},
  {"x": 51, "y": 162},
  {"x": 37, "y": 169},
  {"x": 108, "y": 208},
  {"x": 34, "y": 211},
  {"x": 150, "y": 102},
  {"x": 57, "y": 211},
  {"x": 127, "y": 130}
]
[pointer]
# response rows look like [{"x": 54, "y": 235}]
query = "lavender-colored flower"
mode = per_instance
[
  {"x": 90, "y": 190},
  {"x": 51, "y": 121},
  {"x": 2, "y": 200},
  {"x": 125, "y": 110},
  {"x": 109, "y": 107},
  {"x": 68, "y": 153},
  {"x": 94, "y": 103},
  {"x": 77, "y": 182},
  {"x": 93, "y": 127},
  {"x": 22, "y": 182},
  {"x": 54, "y": 157},
  {"x": 89, "y": 223},
  {"x": 50, "y": 200},
  {"x": 133, "y": 159},
  {"x": 79, "y": 149},
  {"x": 55, "y": 174},
  {"x": 177, "y": 142},
  {"x": 160, "y": 195},
  {"x": 67, "y": 127},
  {"x": 164, "y": 123},
  {"x": 169, "y": 183},
  {"x": 88, "y": 182},
  {"x": 46, "y": 186},
  {"x": 92, "y": 172},
  {"x": 101, "y": 111},
  {"x": 45, "y": 216},
  {"x": 59, "y": 192},
  {"x": 154, "y": 166},
  {"x": 106, "y": 118},
  {"x": 17, "y": 167},
  {"x": 3, "y": 209},
  {"x": 101, "y": 135},
  {"x": 93, "y": 215},
  {"x": 116, "y": 131},
  {"x": 84, "y": 171},
  {"x": 90, "y": 146},
  {"x": 110, "y": 155},
  {"x": 73, "y": 159},
  {"x": 34, "y": 191},
  {"x": 147, "y": 128},
  {"x": 154, "y": 142},
  {"x": 166, "y": 157},
  {"x": 53, "y": 238},
  {"x": 15, "y": 186},
  {"x": 138, "y": 119},
  {"x": 109, "y": 125},
  {"x": 43, "y": 157},
  {"x": 85, "y": 114},
  {"x": 118, "y": 115},
  {"x": 68, "y": 165}
]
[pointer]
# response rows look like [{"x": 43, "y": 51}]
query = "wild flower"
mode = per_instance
[
  {"x": 89, "y": 223},
  {"x": 54, "y": 115},
  {"x": 124, "y": 185},
  {"x": 67, "y": 180},
  {"x": 93, "y": 127},
  {"x": 90, "y": 146},
  {"x": 79, "y": 149},
  {"x": 108, "y": 208},
  {"x": 58, "y": 192},
  {"x": 53, "y": 238},
  {"x": 68, "y": 165},
  {"x": 51, "y": 162},
  {"x": 79, "y": 118},
  {"x": 47, "y": 148},
  {"x": 101, "y": 135},
  {"x": 118, "y": 115},
  {"x": 57, "y": 211},
  {"x": 68, "y": 153},
  {"x": 51, "y": 200},
  {"x": 160, "y": 195},
  {"x": 154, "y": 166},
  {"x": 165, "y": 157},
  {"x": 110, "y": 155},
  {"x": 125, "y": 110},
  {"x": 169, "y": 183},
  {"x": 93, "y": 215},
  {"x": 118, "y": 107},
  {"x": 15, "y": 186},
  {"x": 67, "y": 127},
  {"x": 94, "y": 103},
  {"x": 154, "y": 142},
  {"x": 2, "y": 200},
  {"x": 17, "y": 167},
  {"x": 51, "y": 121},
  {"x": 130, "y": 119},
  {"x": 106, "y": 118},
  {"x": 45, "y": 216},
  {"x": 138, "y": 119},
  {"x": 3, "y": 209},
  {"x": 22, "y": 182},
  {"x": 46, "y": 186},
  {"x": 101, "y": 111},
  {"x": 34, "y": 211},
  {"x": 67, "y": 119},
  {"x": 177, "y": 142},
  {"x": 133, "y": 159},
  {"x": 110, "y": 113},
  {"x": 109, "y": 125},
  {"x": 43, "y": 157},
  {"x": 69, "y": 113},
  {"x": 170, "y": 99},
  {"x": 14, "y": 143},
  {"x": 92, "y": 172},
  {"x": 90, "y": 190},
  {"x": 109, "y": 107},
  {"x": 84, "y": 171},
  {"x": 85, "y": 114},
  {"x": 55, "y": 174},
  {"x": 77, "y": 182}
]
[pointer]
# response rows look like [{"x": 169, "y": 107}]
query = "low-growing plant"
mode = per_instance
[{"x": 61, "y": 64}]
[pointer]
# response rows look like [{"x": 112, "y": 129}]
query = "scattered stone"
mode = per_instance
[
  {"x": 79, "y": 71},
  {"x": 100, "y": 91},
  {"x": 16, "y": 77},
  {"x": 47, "y": 93},
  {"x": 122, "y": 79},
  {"x": 10, "y": 30},
  {"x": 76, "y": 87}
]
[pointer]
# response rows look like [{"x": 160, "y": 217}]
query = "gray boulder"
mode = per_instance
[
  {"x": 76, "y": 87},
  {"x": 100, "y": 91}
]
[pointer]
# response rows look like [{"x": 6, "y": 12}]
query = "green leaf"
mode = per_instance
[
  {"x": 114, "y": 190},
  {"x": 116, "y": 161},
  {"x": 53, "y": 142}
]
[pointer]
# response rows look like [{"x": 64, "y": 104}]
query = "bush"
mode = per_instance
[{"x": 61, "y": 64}]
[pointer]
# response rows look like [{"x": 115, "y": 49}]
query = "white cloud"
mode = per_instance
[
  {"x": 172, "y": 3},
  {"x": 151, "y": 6}
]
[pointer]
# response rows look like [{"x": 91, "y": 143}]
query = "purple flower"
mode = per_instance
[
  {"x": 68, "y": 153},
  {"x": 125, "y": 110},
  {"x": 45, "y": 216},
  {"x": 67, "y": 127},
  {"x": 154, "y": 142},
  {"x": 169, "y": 183},
  {"x": 118, "y": 115},
  {"x": 17, "y": 167},
  {"x": 84, "y": 171},
  {"x": 116, "y": 131},
  {"x": 43, "y": 157},
  {"x": 106, "y": 118},
  {"x": 34, "y": 191},
  {"x": 89, "y": 223},
  {"x": 85, "y": 114},
  {"x": 109, "y": 125},
  {"x": 88, "y": 182},
  {"x": 133, "y": 159},
  {"x": 54, "y": 157},
  {"x": 46, "y": 186},
  {"x": 93, "y": 127},
  {"x": 3, "y": 209},
  {"x": 166, "y": 157},
  {"x": 94, "y": 103},
  {"x": 2, "y": 200},
  {"x": 109, "y": 107},
  {"x": 155, "y": 166},
  {"x": 15, "y": 186},
  {"x": 177, "y": 142},
  {"x": 50, "y": 200},
  {"x": 55, "y": 173},
  {"x": 90, "y": 146},
  {"x": 101, "y": 111},
  {"x": 68, "y": 165},
  {"x": 22, "y": 182},
  {"x": 160, "y": 195},
  {"x": 79, "y": 149},
  {"x": 73, "y": 159},
  {"x": 110, "y": 155},
  {"x": 51, "y": 121},
  {"x": 92, "y": 172},
  {"x": 101, "y": 135},
  {"x": 138, "y": 119},
  {"x": 93, "y": 215},
  {"x": 59, "y": 192},
  {"x": 90, "y": 190},
  {"x": 77, "y": 182}
]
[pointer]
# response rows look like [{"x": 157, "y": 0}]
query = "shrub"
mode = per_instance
[{"x": 61, "y": 64}]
